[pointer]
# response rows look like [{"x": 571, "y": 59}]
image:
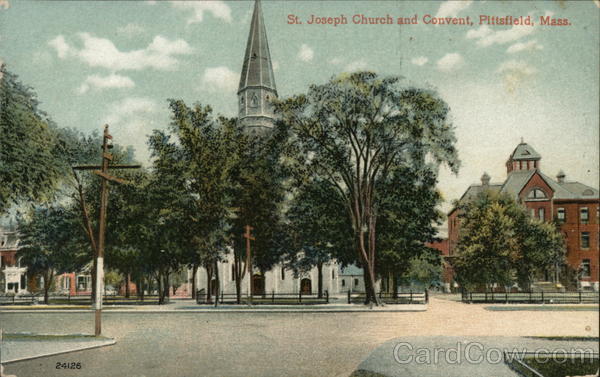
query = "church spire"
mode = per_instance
[{"x": 257, "y": 82}]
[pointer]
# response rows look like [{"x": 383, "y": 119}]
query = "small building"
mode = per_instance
[
  {"x": 13, "y": 277},
  {"x": 574, "y": 205}
]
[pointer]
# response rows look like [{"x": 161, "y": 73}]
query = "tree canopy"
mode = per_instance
[{"x": 353, "y": 131}]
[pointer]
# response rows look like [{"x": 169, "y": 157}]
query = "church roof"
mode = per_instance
[
  {"x": 9, "y": 240},
  {"x": 257, "y": 70},
  {"x": 524, "y": 151}
]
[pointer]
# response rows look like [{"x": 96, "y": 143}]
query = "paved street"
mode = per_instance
[{"x": 268, "y": 344}]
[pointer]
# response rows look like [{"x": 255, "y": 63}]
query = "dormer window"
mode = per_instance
[{"x": 536, "y": 193}]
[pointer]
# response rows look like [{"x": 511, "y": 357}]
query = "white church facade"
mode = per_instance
[{"x": 255, "y": 91}]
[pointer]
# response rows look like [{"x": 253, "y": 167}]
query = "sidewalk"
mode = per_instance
[
  {"x": 188, "y": 305},
  {"x": 25, "y": 346}
]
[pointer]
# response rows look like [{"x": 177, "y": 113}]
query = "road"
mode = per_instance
[{"x": 267, "y": 344}]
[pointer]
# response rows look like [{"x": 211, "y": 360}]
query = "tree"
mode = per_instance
[
  {"x": 408, "y": 215},
  {"x": 29, "y": 148},
  {"x": 500, "y": 244},
  {"x": 49, "y": 247},
  {"x": 353, "y": 131},
  {"x": 317, "y": 230}
]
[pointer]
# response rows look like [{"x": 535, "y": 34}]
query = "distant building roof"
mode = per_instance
[
  {"x": 350, "y": 270},
  {"x": 8, "y": 241},
  {"x": 524, "y": 151}
]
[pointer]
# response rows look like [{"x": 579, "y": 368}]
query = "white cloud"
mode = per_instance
[
  {"x": 357, "y": 65},
  {"x": 486, "y": 37},
  {"x": 526, "y": 46},
  {"x": 452, "y": 8},
  {"x": 105, "y": 82},
  {"x": 335, "y": 61},
  {"x": 160, "y": 54},
  {"x": 4, "y": 4},
  {"x": 515, "y": 73},
  {"x": 420, "y": 61},
  {"x": 131, "y": 30},
  {"x": 482, "y": 32},
  {"x": 131, "y": 120},
  {"x": 217, "y": 8},
  {"x": 306, "y": 53},
  {"x": 60, "y": 45},
  {"x": 221, "y": 79},
  {"x": 450, "y": 62}
]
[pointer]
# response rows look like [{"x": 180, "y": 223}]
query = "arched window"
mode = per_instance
[
  {"x": 536, "y": 193},
  {"x": 254, "y": 101}
]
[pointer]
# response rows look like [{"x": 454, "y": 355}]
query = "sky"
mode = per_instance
[{"x": 117, "y": 62}]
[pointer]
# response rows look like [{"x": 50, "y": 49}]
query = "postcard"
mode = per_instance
[{"x": 299, "y": 188}]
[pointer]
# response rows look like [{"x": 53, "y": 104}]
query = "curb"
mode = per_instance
[
  {"x": 138, "y": 311},
  {"x": 107, "y": 343}
]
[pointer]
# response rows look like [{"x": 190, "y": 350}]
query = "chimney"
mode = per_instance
[
  {"x": 485, "y": 179},
  {"x": 560, "y": 177}
]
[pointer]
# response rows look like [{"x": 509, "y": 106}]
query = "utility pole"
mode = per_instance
[
  {"x": 248, "y": 236},
  {"x": 103, "y": 173}
]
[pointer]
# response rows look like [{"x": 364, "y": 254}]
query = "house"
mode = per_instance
[
  {"x": 13, "y": 277},
  {"x": 573, "y": 205}
]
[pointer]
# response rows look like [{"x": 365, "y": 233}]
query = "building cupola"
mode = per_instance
[
  {"x": 485, "y": 180},
  {"x": 560, "y": 177},
  {"x": 524, "y": 157}
]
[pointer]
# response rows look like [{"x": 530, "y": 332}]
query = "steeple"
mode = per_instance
[{"x": 257, "y": 82}]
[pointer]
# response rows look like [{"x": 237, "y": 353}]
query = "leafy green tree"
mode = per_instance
[
  {"x": 318, "y": 230},
  {"x": 209, "y": 153},
  {"x": 353, "y": 131},
  {"x": 30, "y": 169},
  {"x": 407, "y": 218},
  {"x": 49, "y": 246},
  {"x": 500, "y": 244},
  {"x": 257, "y": 195}
]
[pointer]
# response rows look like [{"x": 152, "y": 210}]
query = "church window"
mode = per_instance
[
  {"x": 356, "y": 282},
  {"x": 241, "y": 100},
  {"x": 343, "y": 282},
  {"x": 332, "y": 274},
  {"x": 232, "y": 272},
  {"x": 282, "y": 273},
  {"x": 536, "y": 193},
  {"x": 254, "y": 101},
  {"x": 584, "y": 215},
  {"x": 541, "y": 214}
]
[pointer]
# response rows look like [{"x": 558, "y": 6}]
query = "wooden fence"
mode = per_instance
[
  {"x": 30, "y": 299},
  {"x": 266, "y": 298},
  {"x": 530, "y": 297},
  {"x": 389, "y": 298}
]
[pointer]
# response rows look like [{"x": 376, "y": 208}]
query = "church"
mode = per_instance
[{"x": 256, "y": 90}]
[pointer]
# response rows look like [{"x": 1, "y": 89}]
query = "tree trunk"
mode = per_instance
[
  {"x": 320, "y": 280},
  {"x": 138, "y": 288},
  {"x": 127, "y": 280},
  {"x": 47, "y": 283},
  {"x": 395, "y": 285},
  {"x": 161, "y": 297},
  {"x": 217, "y": 283},
  {"x": 194, "y": 272},
  {"x": 237, "y": 270},
  {"x": 208, "y": 284},
  {"x": 167, "y": 287}
]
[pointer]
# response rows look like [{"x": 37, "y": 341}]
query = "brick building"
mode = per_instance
[{"x": 573, "y": 204}]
